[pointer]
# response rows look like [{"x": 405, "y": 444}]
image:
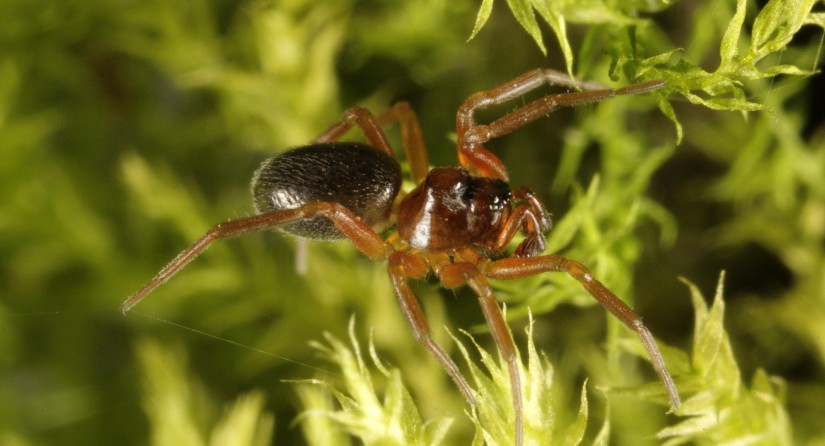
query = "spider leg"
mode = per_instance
[
  {"x": 351, "y": 226},
  {"x": 401, "y": 267},
  {"x": 472, "y": 135},
  {"x": 514, "y": 268},
  {"x": 411, "y": 137},
  {"x": 456, "y": 274},
  {"x": 364, "y": 119}
]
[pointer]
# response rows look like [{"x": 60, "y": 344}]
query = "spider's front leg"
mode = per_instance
[
  {"x": 471, "y": 135},
  {"x": 515, "y": 268}
]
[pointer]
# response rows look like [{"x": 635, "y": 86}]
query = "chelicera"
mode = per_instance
[{"x": 448, "y": 224}]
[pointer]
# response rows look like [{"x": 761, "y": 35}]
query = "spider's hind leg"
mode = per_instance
[{"x": 364, "y": 238}]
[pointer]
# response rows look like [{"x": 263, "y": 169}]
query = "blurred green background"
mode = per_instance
[{"x": 128, "y": 128}]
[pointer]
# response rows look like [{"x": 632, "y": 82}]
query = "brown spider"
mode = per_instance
[{"x": 331, "y": 190}]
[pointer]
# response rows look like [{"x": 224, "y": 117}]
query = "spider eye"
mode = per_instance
[
  {"x": 497, "y": 202},
  {"x": 500, "y": 196}
]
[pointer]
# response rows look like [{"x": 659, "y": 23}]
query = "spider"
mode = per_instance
[{"x": 448, "y": 224}]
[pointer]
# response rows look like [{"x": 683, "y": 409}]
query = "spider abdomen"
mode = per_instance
[{"x": 357, "y": 176}]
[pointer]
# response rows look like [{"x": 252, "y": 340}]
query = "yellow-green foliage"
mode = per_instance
[
  {"x": 388, "y": 417},
  {"x": 180, "y": 412},
  {"x": 127, "y": 128},
  {"x": 721, "y": 409}
]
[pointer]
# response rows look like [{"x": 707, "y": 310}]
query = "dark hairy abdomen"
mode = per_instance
[{"x": 359, "y": 177}]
